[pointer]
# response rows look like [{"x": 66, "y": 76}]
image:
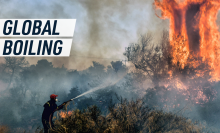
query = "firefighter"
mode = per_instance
[{"x": 49, "y": 108}]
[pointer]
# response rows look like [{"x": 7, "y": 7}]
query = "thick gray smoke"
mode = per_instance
[
  {"x": 103, "y": 28},
  {"x": 28, "y": 87}
]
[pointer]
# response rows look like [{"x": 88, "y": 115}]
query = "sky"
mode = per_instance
[{"x": 103, "y": 27}]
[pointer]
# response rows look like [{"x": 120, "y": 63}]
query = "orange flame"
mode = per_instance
[
  {"x": 195, "y": 44},
  {"x": 194, "y": 35},
  {"x": 65, "y": 114}
]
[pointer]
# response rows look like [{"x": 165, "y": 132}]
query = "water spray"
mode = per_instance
[
  {"x": 99, "y": 87},
  {"x": 87, "y": 92}
]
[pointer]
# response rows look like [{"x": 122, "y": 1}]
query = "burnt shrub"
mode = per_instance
[{"x": 123, "y": 117}]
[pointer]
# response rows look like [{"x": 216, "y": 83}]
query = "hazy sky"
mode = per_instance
[{"x": 103, "y": 27}]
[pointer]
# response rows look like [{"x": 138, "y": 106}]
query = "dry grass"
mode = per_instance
[
  {"x": 125, "y": 117},
  {"x": 4, "y": 129}
]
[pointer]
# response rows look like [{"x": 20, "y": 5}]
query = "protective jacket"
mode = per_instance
[{"x": 49, "y": 108}]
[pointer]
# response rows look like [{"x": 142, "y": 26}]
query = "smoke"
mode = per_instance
[
  {"x": 103, "y": 28},
  {"x": 107, "y": 83},
  {"x": 32, "y": 86}
]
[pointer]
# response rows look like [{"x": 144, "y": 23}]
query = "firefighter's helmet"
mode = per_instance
[{"x": 53, "y": 96}]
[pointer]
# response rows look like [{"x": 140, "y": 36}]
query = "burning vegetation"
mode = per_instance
[
  {"x": 187, "y": 57},
  {"x": 183, "y": 68},
  {"x": 125, "y": 117},
  {"x": 194, "y": 35},
  {"x": 194, "y": 45}
]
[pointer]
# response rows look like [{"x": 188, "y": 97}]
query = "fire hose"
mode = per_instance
[
  {"x": 89, "y": 91},
  {"x": 64, "y": 103}
]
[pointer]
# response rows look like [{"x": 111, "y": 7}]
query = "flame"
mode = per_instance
[
  {"x": 64, "y": 114},
  {"x": 194, "y": 35},
  {"x": 195, "y": 45},
  {"x": 202, "y": 97}
]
